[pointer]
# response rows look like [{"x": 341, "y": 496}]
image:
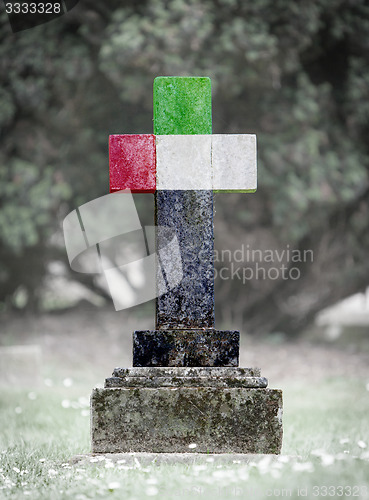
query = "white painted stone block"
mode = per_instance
[
  {"x": 234, "y": 162},
  {"x": 183, "y": 162}
]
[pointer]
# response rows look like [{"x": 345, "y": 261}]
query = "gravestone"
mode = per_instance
[{"x": 185, "y": 391}]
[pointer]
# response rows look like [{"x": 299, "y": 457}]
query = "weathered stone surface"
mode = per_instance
[
  {"x": 182, "y": 105},
  {"x": 183, "y": 162},
  {"x": 132, "y": 163},
  {"x": 252, "y": 382},
  {"x": 184, "y": 371},
  {"x": 186, "y": 348},
  {"x": 217, "y": 420},
  {"x": 191, "y": 303},
  {"x": 234, "y": 162}
]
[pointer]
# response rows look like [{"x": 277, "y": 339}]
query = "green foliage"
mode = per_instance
[
  {"x": 31, "y": 198},
  {"x": 294, "y": 73},
  {"x": 264, "y": 58}
]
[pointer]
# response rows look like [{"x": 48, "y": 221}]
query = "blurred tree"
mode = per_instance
[{"x": 296, "y": 74}]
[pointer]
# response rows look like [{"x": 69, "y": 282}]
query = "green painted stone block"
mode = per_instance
[{"x": 182, "y": 105}]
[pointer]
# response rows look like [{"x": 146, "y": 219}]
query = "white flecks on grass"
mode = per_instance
[
  {"x": 151, "y": 491},
  {"x": 303, "y": 467},
  {"x": 361, "y": 444},
  {"x": 199, "y": 467},
  {"x": 82, "y": 404},
  {"x": 124, "y": 467},
  {"x": 52, "y": 472},
  {"x": 344, "y": 440},
  {"x": 225, "y": 474},
  {"x": 318, "y": 452},
  {"x": 327, "y": 460},
  {"x": 68, "y": 382},
  {"x": 42, "y": 460},
  {"x": 262, "y": 465},
  {"x": 18, "y": 410},
  {"x": 32, "y": 396},
  {"x": 48, "y": 382},
  {"x": 114, "y": 485},
  {"x": 192, "y": 446}
]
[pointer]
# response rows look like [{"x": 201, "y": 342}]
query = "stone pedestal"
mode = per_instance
[
  {"x": 165, "y": 410},
  {"x": 198, "y": 347}
]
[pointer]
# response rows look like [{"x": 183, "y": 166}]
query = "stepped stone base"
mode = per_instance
[{"x": 220, "y": 410}]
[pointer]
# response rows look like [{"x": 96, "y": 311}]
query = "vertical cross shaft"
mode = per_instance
[
  {"x": 185, "y": 334},
  {"x": 182, "y": 106}
]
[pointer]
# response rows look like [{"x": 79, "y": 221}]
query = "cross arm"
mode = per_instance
[{"x": 148, "y": 163}]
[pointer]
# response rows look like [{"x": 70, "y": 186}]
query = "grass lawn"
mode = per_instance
[{"x": 325, "y": 451}]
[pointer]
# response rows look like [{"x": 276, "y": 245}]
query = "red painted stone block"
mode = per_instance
[{"x": 132, "y": 163}]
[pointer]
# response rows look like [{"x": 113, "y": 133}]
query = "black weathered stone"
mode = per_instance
[
  {"x": 186, "y": 348},
  {"x": 191, "y": 303}
]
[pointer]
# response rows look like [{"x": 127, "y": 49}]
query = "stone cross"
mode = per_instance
[
  {"x": 183, "y": 163},
  {"x": 185, "y": 391}
]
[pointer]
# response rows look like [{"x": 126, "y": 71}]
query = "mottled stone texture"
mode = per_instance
[
  {"x": 251, "y": 382},
  {"x": 183, "y": 162},
  {"x": 190, "y": 214},
  {"x": 186, "y": 348},
  {"x": 234, "y": 162},
  {"x": 186, "y": 377},
  {"x": 182, "y": 105},
  {"x": 217, "y": 420},
  {"x": 132, "y": 163},
  {"x": 186, "y": 371}
]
